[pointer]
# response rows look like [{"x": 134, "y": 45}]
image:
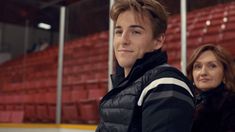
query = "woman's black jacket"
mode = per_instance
[{"x": 215, "y": 111}]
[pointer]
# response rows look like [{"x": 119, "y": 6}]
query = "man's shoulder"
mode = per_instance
[
  {"x": 167, "y": 80},
  {"x": 170, "y": 76},
  {"x": 165, "y": 70}
]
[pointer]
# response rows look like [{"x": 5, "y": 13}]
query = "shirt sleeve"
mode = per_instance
[{"x": 167, "y": 106}]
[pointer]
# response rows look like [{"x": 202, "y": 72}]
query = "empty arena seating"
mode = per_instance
[
  {"x": 213, "y": 24},
  {"x": 28, "y": 83},
  {"x": 10, "y": 116}
]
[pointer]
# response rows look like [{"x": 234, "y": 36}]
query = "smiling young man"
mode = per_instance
[{"x": 148, "y": 95}]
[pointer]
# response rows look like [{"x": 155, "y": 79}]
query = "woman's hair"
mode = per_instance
[
  {"x": 223, "y": 56},
  {"x": 152, "y": 8}
]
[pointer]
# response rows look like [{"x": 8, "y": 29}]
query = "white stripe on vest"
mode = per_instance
[{"x": 157, "y": 82}]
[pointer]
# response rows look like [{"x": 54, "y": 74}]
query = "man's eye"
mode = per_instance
[
  {"x": 135, "y": 32},
  {"x": 118, "y": 32}
]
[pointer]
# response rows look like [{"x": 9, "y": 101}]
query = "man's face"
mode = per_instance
[{"x": 132, "y": 39}]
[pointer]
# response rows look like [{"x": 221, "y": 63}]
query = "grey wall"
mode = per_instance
[{"x": 13, "y": 38}]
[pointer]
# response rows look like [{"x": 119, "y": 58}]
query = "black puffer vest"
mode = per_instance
[{"x": 119, "y": 111}]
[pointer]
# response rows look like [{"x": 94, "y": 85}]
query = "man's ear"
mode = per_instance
[{"x": 159, "y": 41}]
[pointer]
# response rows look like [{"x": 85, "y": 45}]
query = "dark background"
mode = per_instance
[{"x": 85, "y": 16}]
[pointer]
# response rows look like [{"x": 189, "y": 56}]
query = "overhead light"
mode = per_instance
[
  {"x": 208, "y": 22},
  {"x": 225, "y": 19},
  {"x": 44, "y": 26}
]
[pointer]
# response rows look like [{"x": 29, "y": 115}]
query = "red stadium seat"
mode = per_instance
[
  {"x": 30, "y": 113},
  {"x": 5, "y": 116},
  {"x": 42, "y": 112},
  {"x": 17, "y": 117},
  {"x": 70, "y": 113},
  {"x": 89, "y": 111},
  {"x": 95, "y": 91},
  {"x": 51, "y": 104},
  {"x": 79, "y": 92}
]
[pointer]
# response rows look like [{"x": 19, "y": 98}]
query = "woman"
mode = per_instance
[{"x": 212, "y": 71}]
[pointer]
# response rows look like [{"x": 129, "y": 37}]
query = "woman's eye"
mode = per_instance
[
  {"x": 197, "y": 66},
  {"x": 212, "y": 66}
]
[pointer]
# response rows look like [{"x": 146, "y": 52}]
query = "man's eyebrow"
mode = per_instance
[
  {"x": 132, "y": 26},
  {"x": 137, "y": 26},
  {"x": 117, "y": 27}
]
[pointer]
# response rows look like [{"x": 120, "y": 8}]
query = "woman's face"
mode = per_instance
[{"x": 208, "y": 71}]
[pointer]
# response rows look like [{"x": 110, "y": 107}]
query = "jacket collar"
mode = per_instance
[
  {"x": 149, "y": 61},
  {"x": 205, "y": 95}
]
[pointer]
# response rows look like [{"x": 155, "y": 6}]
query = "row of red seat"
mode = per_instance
[
  {"x": 83, "y": 111},
  {"x": 71, "y": 93},
  {"x": 40, "y": 106},
  {"x": 11, "y": 116},
  {"x": 208, "y": 25},
  {"x": 39, "y": 70}
]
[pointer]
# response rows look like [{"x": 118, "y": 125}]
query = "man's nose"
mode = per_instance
[{"x": 125, "y": 38}]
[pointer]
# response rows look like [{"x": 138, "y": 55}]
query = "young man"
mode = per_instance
[{"x": 148, "y": 95}]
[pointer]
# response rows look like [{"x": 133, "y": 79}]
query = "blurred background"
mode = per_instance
[{"x": 29, "y": 54}]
